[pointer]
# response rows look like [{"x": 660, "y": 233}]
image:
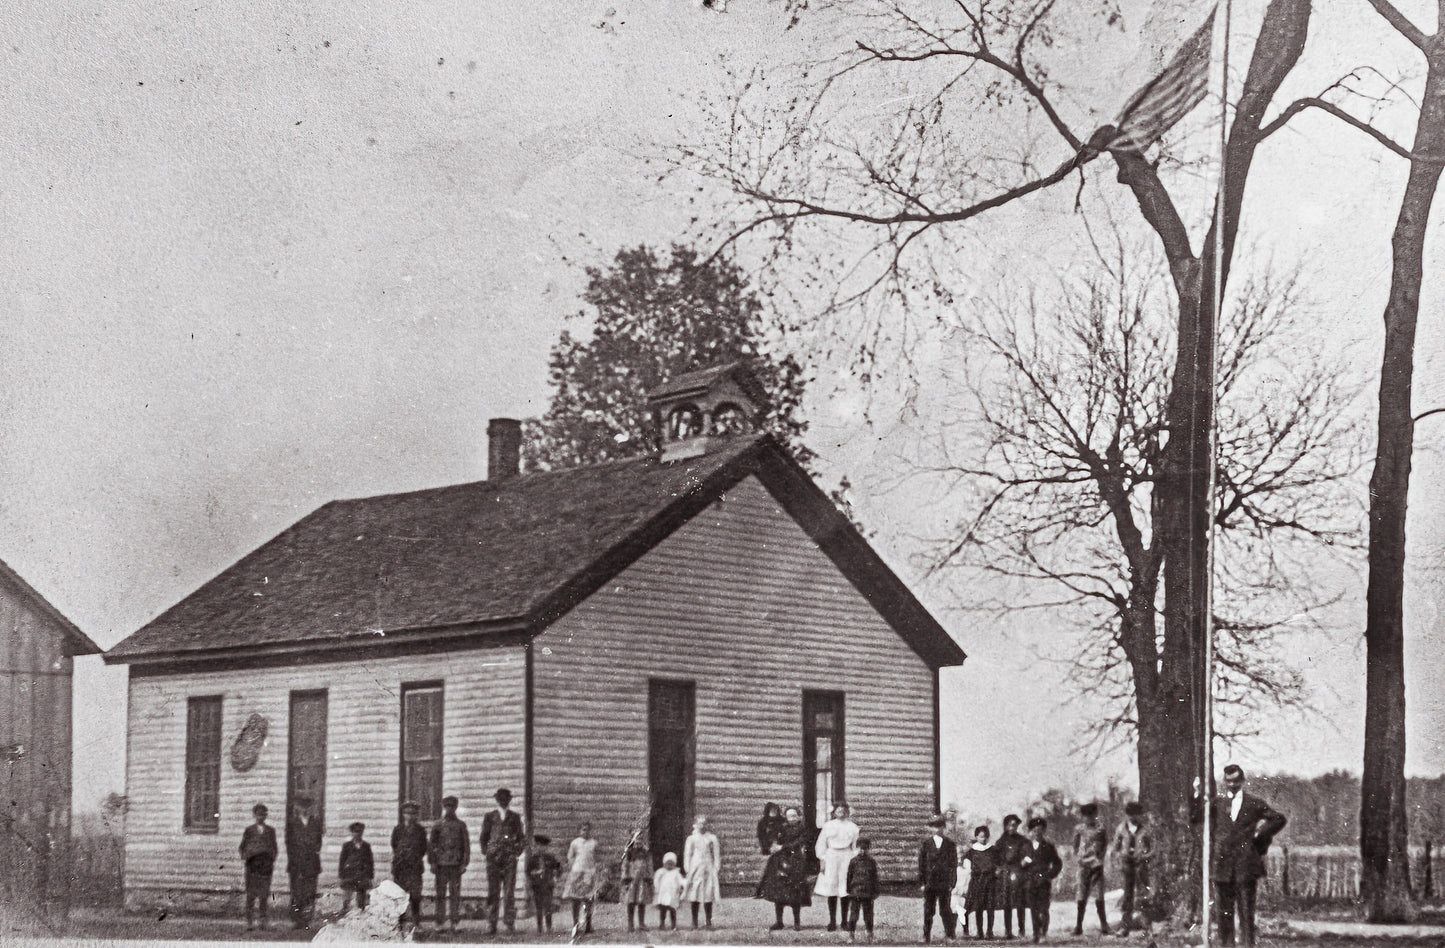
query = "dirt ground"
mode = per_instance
[{"x": 736, "y": 922}]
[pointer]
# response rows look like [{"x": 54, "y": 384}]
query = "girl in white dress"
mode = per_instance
[
  {"x": 702, "y": 862},
  {"x": 837, "y": 845},
  {"x": 581, "y": 886}
]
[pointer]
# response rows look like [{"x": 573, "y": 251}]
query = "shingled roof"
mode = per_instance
[{"x": 490, "y": 559}]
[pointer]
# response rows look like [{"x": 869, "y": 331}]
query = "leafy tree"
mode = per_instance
[{"x": 655, "y": 316}]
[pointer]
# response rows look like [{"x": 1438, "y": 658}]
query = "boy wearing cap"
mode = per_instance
[
  {"x": 937, "y": 874},
  {"x": 449, "y": 850},
  {"x": 303, "y": 859},
  {"x": 355, "y": 869},
  {"x": 862, "y": 887},
  {"x": 408, "y": 854},
  {"x": 1133, "y": 845},
  {"x": 1090, "y": 846},
  {"x": 1041, "y": 865},
  {"x": 502, "y": 843},
  {"x": 543, "y": 870},
  {"x": 258, "y": 852}
]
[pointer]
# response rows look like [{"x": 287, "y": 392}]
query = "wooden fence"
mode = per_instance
[{"x": 1332, "y": 873}]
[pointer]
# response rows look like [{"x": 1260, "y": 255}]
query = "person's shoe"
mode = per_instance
[
  {"x": 1079, "y": 930},
  {"x": 492, "y": 928},
  {"x": 776, "y": 927},
  {"x": 797, "y": 926},
  {"x": 1104, "y": 929},
  {"x": 832, "y": 926}
]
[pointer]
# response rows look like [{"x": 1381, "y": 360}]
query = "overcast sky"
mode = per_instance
[{"x": 255, "y": 256}]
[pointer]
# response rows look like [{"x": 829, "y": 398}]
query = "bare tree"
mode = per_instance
[
  {"x": 1057, "y": 452},
  {"x": 922, "y": 169}
]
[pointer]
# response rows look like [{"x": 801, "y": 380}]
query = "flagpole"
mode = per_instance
[{"x": 1207, "y": 692}]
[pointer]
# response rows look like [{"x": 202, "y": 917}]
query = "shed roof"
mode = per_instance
[
  {"x": 492, "y": 558},
  {"x": 77, "y": 642}
]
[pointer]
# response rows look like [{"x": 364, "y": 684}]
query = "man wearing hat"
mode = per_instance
[
  {"x": 258, "y": 853},
  {"x": 303, "y": 858},
  {"x": 355, "y": 869},
  {"x": 502, "y": 843},
  {"x": 449, "y": 850},
  {"x": 937, "y": 873},
  {"x": 1133, "y": 846},
  {"x": 408, "y": 854}
]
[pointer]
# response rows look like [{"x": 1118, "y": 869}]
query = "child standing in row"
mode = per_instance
[
  {"x": 667, "y": 886},
  {"x": 862, "y": 887},
  {"x": 702, "y": 859},
  {"x": 355, "y": 869},
  {"x": 543, "y": 870},
  {"x": 637, "y": 881},
  {"x": 581, "y": 887}
]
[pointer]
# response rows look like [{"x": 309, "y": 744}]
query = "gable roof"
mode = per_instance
[
  {"x": 492, "y": 560},
  {"x": 77, "y": 642},
  {"x": 699, "y": 381}
]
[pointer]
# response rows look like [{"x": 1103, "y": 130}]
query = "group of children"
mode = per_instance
[{"x": 1013, "y": 874}]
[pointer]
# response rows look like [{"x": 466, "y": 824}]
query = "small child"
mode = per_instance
[
  {"x": 667, "y": 885},
  {"x": 543, "y": 869},
  {"x": 862, "y": 887},
  {"x": 356, "y": 868},
  {"x": 637, "y": 881}
]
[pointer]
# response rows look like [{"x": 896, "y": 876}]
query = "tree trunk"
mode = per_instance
[{"x": 1384, "y": 852}]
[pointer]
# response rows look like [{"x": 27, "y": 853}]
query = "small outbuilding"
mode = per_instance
[
  {"x": 37, "y": 645},
  {"x": 695, "y": 631}
]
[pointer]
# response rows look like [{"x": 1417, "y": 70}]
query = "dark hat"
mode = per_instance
[
  {"x": 541, "y": 840},
  {"x": 939, "y": 821},
  {"x": 1038, "y": 822},
  {"x": 450, "y": 802},
  {"x": 259, "y": 810},
  {"x": 503, "y": 795},
  {"x": 1012, "y": 818},
  {"x": 356, "y": 828},
  {"x": 1089, "y": 809},
  {"x": 864, "y": 842},
  {"x": 410, "y": 807},
  {"x": 1133, "y": 808}
]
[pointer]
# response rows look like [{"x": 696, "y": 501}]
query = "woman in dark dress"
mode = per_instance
[
  {"x": 785, "y": 877},
  {"x": 979, "y": 899},
  {"x": 770, "y": 827}
]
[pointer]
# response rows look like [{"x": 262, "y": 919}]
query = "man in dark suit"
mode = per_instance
[
  {"x": 1243, "y": 826},
  {"x": 449, "y": 851},
  {"x": 937, "y": 873},
  {"x": 303, "y": 859},
  {"x": 408, "y": 852},
  {"x": 258, "y": 852},
  {"x": 502, "y": 842}
]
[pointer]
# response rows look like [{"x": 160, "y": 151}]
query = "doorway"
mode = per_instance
[{"x": 671, "y": 758}]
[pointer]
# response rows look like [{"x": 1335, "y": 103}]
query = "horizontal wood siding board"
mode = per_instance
[
  {"x": 482, "y": 750},
  {"x": 743, "y": 602}
]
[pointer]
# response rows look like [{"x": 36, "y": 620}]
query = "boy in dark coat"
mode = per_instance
[
  {"x": 303, "y": 860},
  {"x": 1009, "y": 882},
  {"x": 408, "y": 858},
  {"x": 543, "y": 870},
  {"x": 355, "y": 869},
  {"x": 449, "y": 850},
  {"x": 258, "y": 852},
  {"x": 1041, "y": 865},
  {"x": 1090, "y": 846},
  {"x": 937, "y": 874},
  {"x": 862, "y": 887}
]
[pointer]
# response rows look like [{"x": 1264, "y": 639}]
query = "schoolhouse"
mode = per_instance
[{"x": 634, "y": 643}]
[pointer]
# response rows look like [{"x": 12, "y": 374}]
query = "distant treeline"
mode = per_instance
[{"x": 1325, "y": 810}]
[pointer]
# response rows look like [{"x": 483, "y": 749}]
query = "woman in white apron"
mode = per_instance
[{"x": 837, "y": 845}]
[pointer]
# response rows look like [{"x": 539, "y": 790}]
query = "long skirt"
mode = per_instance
[
  {"x": 581, "y": 884},
  {"x": 701, "y": 885},
  {"x": 833, "y": 879},
  {"x": 785, "y": 879}
]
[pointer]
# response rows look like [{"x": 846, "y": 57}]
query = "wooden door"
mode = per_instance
[
  {"x": 671, "y": 753},
  {"x": 306, "y": 751}
]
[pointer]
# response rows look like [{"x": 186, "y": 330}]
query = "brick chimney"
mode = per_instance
[{"x": 504, "y": 448}]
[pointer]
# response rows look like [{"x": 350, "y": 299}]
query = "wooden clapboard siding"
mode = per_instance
[
  {"x": 35, "y": 696},
  {"x": 482, "y": 749},
  {"x": 743, "y": 602}
]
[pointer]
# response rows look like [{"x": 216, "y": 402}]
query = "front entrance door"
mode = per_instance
[
  {"x": 306, "y": 751},
  {"x": 670, "y": 762}
]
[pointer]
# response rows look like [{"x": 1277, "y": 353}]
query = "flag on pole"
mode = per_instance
[{"x": 1169, "y": 96}]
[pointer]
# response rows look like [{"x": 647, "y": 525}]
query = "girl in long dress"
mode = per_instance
[
  {"x": 837, "y": 845},
  {"x": 785, "y": 877},
  {"x": 702, "y": 862},
  {"x": 581, "y": 886},
  {"x": 982, "y": 862},
  {"x": 637, "y": 881}
]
